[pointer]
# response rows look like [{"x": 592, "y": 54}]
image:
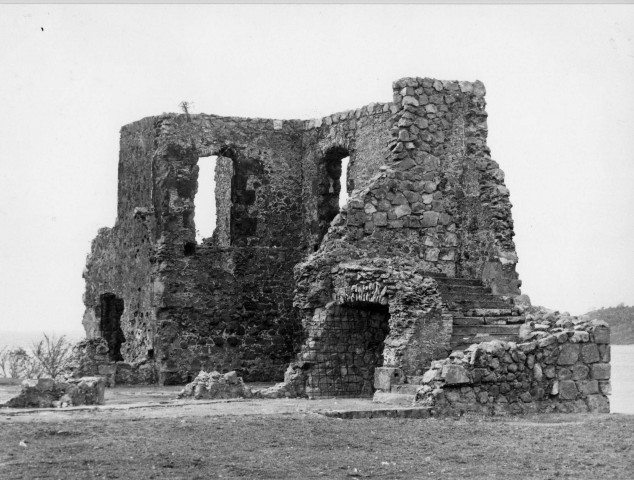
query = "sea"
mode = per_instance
[{"x": 622, "y": 361}]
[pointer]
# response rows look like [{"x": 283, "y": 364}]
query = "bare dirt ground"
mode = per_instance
[{"x": 144, "y": 433}]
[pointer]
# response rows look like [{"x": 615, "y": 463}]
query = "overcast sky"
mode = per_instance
[{"x": 560, "y": 98}]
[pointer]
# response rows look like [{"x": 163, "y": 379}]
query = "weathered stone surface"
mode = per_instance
[
  {"x": 215, "y": 385},
  {"x": 601, "y": 334},
  {"x": 601, "y": 371},
  {"x": 598, "y": 404},
  {"x": 454, "y": 375},
  {"x": 47, "y": 393},
  {"x": 568, "y": 390},
  {"x": 568, "y": 354},
  {"x": 385, "y": 377},
  {"x": 590, "y": 353},
  {"x": 580, "y": 372},
  {"x": 589, "y": 387}
]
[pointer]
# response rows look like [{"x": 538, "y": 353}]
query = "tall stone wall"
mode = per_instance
[
  {"x": 438, "y": 202},
  {"x": 122, "y": 259}
]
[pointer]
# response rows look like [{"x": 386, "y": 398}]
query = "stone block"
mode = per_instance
[
  {"x": 416, "y": 379},
  {"x": 380, "y": 219},
  {"x": 588, "y": 387},
  {"x": 601, "y": 334},
  {"x": 431, "y": 375},
  {"x": 526, "y": 397},
  {"x": 453, "y": 395},
  {"x": 568, "y": 354},
  {"x": 590, "y": 353},
  {"x": 455, "y": 375},
  {"x": 567, "y": 390},
  {"x": 601, "y": 371},
  {"x": 564, "y": 374},
  {"x": 402, "y": 210},
  {"x": 107, "y": 369},
  {"x": 405, "y": 388},
  {"x": 45, "y": 384},
  {"x": 430, "y": 219},
  {"x": 579, "y": 337},
  {"x": 394, "y": 398},
  {"x": 605, "y": 387},
  {"x": 385, "y": 377},
  {"x": 598, "y": 404},
  {"x": 546, "y": 341},
  {"x": 604, "y": 351},
  {"x": 580, "y": 372}
]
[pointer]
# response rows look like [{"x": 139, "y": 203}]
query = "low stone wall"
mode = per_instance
[
  {"x": 47, "y": 393},
  {"x": 561, "y": 365}
]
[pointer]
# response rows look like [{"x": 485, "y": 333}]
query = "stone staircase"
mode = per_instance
[{"x": 478, "y": 315}]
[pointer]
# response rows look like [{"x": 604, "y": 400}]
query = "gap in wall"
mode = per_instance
[
  {"x": 343, "y": 193},
  {"x": 111, "y": 308},
  {"x": 205, "y": 200}
]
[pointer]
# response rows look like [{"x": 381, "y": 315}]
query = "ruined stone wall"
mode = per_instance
[
  {"x": 563, "y": 367},
  {"x": 122, "y": 258},
  {"x": 229, "y": 307},
  {"x": 438, "y": 201},
  {"x": 361, "y": 134}
]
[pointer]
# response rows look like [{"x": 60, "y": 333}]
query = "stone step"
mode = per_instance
[
  {"x": 458, "y": 281},
  {"x": 405, "y": 388},
  {"x": 461, "y": 289},
  {"x": 485, "y": 330},
  {"x": 483, "y": 312},
  {"x": 473, "y": 305},
  {"x": 474, "y": 297},
  {"x": 394, "y": 398},
  {"x": 459, "y": 321},
  {"x": 388, "y": 412},
  {"x": 490, "y": 320},
  {"x": 461, "y": 343}
]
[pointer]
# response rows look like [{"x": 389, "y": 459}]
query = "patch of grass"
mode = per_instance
[{"x": 311, "y": 446}]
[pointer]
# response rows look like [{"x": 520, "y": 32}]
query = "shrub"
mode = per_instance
[{"x": 53, "y": 355}]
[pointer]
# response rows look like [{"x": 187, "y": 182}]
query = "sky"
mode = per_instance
[{"x": 560, "y": 98}]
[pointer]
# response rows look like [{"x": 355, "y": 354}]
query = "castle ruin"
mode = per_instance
[{"x": 420, "y": 262}]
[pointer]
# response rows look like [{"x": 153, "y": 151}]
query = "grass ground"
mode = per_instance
[{"x": 308, "y": 445}]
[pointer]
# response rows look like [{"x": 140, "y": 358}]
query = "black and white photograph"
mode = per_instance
[{"x": 317, "y": 240}]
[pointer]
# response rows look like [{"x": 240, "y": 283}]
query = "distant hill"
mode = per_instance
[{"x": 621, "y": 321}]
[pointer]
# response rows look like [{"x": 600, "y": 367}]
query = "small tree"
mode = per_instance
[
  {"x": 52, "y": 354},
  {"x": 185, "y": 106},
  {"x": 17, "y": 363}
]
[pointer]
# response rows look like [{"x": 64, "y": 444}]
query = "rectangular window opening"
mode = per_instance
[
  {"x": 205, "y": 200},
  {"x": 343, "y": 192}
]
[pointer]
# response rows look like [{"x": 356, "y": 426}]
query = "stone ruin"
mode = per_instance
[{"x": 419, "y": 263}]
